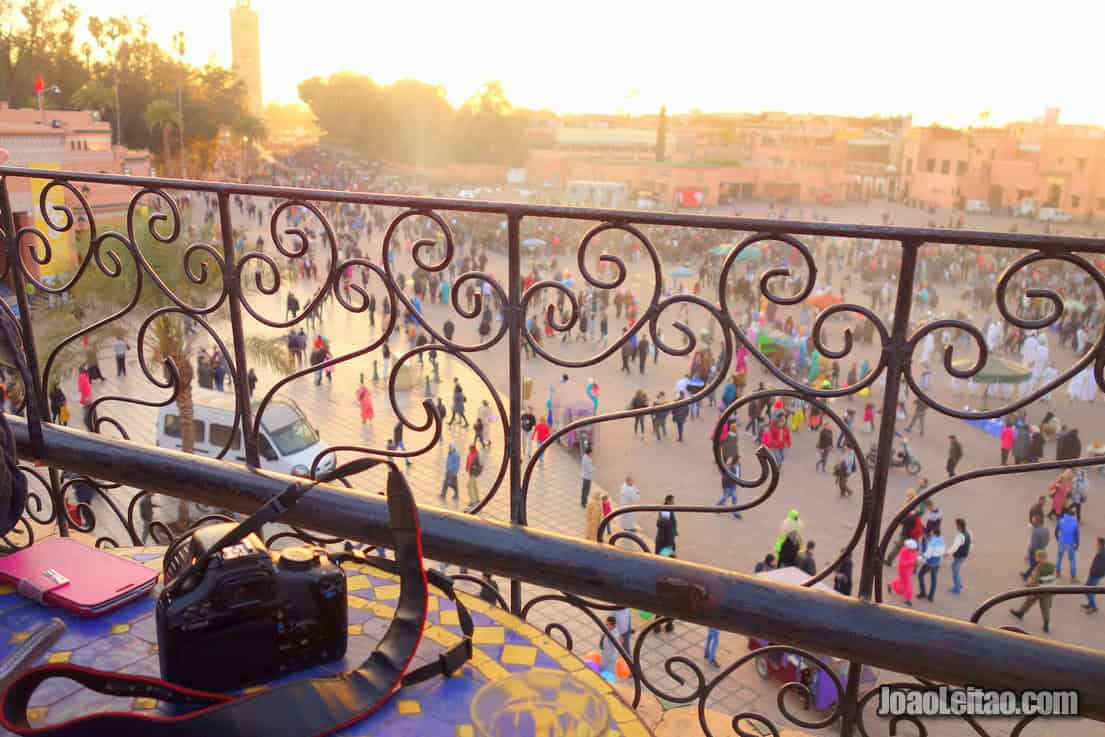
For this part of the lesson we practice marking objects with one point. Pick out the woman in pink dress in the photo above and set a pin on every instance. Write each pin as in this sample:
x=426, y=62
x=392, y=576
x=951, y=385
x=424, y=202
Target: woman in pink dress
x=364, y=398
x=84, y=386
x=907, y=560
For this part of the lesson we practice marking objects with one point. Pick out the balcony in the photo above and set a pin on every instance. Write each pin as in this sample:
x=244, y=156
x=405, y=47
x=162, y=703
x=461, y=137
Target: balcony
x=207, y=265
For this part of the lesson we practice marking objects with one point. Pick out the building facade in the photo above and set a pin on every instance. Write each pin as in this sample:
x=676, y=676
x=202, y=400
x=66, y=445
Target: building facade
x=245, y=47
x=1017, y=169
x=70, y=140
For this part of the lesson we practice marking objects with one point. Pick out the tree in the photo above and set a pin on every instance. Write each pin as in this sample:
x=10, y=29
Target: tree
x=162, y=115
x=167, y=337
x=94, y=95
x=486, y=129
x=662, y=134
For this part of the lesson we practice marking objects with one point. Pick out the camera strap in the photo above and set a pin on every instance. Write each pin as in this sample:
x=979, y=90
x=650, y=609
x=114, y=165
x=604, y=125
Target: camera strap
x=306, y=708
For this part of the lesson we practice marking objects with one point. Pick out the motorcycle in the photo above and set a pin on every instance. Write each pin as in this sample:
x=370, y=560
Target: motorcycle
x=900, y=457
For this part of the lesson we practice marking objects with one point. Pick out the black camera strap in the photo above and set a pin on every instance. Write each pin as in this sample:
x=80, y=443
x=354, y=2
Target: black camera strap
x=307, y=708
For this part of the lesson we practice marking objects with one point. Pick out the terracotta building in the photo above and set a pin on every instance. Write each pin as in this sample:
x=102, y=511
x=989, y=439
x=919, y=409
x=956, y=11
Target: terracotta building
x=74, y=140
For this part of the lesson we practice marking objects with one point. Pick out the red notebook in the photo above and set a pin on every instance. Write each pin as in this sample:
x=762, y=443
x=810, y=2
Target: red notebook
x=84, y=580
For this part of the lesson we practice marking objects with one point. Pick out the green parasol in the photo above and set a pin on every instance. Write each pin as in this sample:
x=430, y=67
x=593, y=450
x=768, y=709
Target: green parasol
x=998, y=370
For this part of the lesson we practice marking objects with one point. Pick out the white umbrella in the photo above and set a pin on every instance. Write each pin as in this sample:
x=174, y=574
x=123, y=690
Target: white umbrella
x=533, y=243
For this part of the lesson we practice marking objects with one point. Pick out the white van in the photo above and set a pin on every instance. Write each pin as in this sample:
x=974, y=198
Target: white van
x=288, y=443
x=977, y=206
x=1053, y=215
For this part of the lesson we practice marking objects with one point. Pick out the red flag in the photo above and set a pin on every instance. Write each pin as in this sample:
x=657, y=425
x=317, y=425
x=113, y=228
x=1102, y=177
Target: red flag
x=39, y=85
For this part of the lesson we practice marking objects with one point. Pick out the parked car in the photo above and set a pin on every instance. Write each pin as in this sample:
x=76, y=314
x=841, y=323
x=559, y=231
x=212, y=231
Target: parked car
x=1053, y=215
x=977, y=206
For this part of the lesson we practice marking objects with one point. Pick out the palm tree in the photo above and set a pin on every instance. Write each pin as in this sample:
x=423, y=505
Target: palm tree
x=166, y=339
x=161, y=114
x=94, y=95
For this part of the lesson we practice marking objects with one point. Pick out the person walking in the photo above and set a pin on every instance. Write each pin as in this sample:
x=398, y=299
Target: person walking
x=824, y=445
x=666, y=528
x=627, y=355
x=364, y=399
x=627, y=497
x=57, y=401
x=1060, y=491
x=624, y=627
x=791, y=523
x=452, y=468
x=679, y=417
x=1008, y=436
x=932, y=556
x=1097, y=572
x=907, y=562
x=541, y=432
x=958, y=552
x=842, y=580
x=527, y=422
x=487, y=416
x=473, y=464
x=478, y=429
x=660, y=417
x=592, y=518
x=639, y=401
x=1037, y=541
x=1066, y=535
x=586, y=473
x=120, y=346
x=841, y=474
x=608, y=651
x=458, y=404
x=955, y=454
x=710, y=653
x=849, y=422
x=642, y=353
x=805, y=559
x=729, y=487
x=397, y=440
x=1043, y=574
x=919, y=408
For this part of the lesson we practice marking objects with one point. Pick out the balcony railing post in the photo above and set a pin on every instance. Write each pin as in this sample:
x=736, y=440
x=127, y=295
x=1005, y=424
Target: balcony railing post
x=234, y=303
x=516, y=325
x=896, y=358
x=35, y=394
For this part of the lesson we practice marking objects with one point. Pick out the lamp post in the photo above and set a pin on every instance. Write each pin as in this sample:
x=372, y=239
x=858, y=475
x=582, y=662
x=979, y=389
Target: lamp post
x=179, y=45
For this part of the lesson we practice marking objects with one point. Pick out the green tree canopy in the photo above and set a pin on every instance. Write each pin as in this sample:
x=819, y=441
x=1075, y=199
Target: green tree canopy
x=412, y=122
x=121, y=68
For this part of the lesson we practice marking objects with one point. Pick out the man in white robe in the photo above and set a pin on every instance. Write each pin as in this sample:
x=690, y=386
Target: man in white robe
x=993, y=335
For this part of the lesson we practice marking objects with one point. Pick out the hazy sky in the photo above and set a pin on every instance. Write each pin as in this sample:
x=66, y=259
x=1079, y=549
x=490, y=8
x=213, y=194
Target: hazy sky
x=942, y=60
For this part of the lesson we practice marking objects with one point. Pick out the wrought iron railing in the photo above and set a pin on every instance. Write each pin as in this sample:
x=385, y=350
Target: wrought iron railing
x=861, y=630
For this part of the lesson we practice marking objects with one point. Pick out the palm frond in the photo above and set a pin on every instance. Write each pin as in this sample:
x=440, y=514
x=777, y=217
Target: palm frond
x=272, y=353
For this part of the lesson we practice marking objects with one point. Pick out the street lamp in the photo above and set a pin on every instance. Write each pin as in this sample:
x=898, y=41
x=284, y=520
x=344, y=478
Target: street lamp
x=179, y=45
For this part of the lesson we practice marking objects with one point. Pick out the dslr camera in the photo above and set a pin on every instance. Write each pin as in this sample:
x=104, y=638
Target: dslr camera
x=246, y=614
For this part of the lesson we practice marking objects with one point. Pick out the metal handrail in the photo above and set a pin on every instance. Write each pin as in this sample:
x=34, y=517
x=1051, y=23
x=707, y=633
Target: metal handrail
x=893, y=638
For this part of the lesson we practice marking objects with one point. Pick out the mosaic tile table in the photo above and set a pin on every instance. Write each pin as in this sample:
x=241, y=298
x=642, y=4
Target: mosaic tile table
x=126, y=640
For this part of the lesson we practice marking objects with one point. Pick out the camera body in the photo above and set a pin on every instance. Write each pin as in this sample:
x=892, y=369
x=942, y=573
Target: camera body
x=252, y=615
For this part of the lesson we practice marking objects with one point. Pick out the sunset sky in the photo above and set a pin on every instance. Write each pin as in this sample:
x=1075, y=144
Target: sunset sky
x=943, y=61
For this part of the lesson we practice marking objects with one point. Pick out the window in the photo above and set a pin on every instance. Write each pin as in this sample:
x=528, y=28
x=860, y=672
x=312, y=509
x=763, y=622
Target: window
x=221, y=433
x=930, y=165
x=961, y=168
x=945, y=166
x=172, y=428
x=909, y=166
x=1075, y=200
